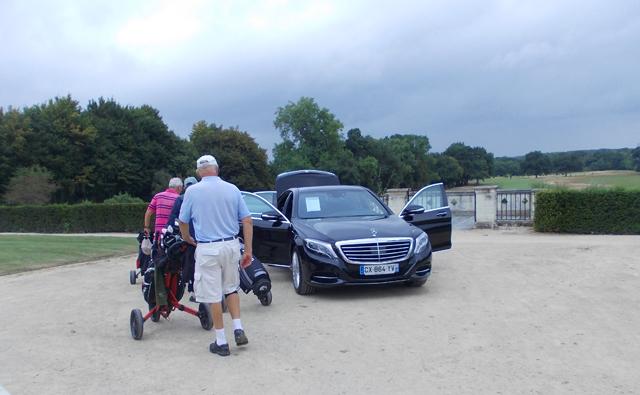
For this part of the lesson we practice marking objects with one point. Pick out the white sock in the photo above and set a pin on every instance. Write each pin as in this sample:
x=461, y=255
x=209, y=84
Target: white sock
x=237, y=324
x=220, y=337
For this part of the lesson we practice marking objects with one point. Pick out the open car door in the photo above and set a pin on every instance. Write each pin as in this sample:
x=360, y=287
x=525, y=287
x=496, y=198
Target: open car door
x=429, y=210
x=271, y=240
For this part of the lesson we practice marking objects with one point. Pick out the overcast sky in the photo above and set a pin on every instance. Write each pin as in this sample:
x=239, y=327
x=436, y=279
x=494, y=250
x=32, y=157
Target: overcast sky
x=511, y=76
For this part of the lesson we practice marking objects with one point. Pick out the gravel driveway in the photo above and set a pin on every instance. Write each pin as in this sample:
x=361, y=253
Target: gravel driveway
x=504, y=312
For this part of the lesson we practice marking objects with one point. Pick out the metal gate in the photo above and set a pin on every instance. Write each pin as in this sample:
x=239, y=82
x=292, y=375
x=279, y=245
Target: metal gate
x=514, y=205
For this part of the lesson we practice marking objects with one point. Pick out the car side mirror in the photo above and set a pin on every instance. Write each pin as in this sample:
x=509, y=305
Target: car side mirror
x=271, y=216
x=412, y=209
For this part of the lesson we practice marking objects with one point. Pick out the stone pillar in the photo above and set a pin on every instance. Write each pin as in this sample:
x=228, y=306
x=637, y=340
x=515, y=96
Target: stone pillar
x=533, y=203
x=486, y=206
x=397, y=198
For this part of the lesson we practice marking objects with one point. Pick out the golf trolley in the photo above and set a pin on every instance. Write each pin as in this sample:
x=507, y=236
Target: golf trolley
x=163, y=288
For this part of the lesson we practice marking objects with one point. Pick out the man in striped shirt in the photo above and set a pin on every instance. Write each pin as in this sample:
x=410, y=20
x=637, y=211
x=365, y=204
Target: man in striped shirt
x=161, y=206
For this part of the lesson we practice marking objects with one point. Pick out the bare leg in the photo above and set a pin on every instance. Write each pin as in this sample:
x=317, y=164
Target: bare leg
x=233, y=303
x=216, y=312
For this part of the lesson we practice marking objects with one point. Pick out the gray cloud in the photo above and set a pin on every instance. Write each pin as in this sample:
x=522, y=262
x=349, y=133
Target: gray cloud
x=512, y=76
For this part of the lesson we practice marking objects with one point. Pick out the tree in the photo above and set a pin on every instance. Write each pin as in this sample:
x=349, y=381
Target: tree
x=310, y=134
x=132, y=145
x=506, y=167
x=241, y=160
x=565, y=163
x=448, y=169
x=635, y=154
x=481, y=165
x=476, y=162
x=404, y=162
x=30, y=185
x=62, y=140
x=536, y=163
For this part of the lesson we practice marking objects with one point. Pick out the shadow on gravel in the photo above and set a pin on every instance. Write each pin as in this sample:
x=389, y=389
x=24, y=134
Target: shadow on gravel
x=349, y=292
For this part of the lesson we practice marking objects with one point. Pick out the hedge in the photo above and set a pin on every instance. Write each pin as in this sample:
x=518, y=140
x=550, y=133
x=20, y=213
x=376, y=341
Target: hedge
x=599, y=211
x=74, y=218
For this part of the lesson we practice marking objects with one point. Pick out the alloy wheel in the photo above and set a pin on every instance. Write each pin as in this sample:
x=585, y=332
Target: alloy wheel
x=295, y=270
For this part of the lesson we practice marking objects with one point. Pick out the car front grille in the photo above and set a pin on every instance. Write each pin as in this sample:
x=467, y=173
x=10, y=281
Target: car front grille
x=378, y=250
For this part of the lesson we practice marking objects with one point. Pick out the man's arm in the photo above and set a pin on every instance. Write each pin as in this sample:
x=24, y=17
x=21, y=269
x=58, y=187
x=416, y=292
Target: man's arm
x=147, y=220
x=247, y=234
x=184, y=231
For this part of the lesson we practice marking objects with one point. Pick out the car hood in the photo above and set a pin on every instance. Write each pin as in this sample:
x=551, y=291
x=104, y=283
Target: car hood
x=337, y=229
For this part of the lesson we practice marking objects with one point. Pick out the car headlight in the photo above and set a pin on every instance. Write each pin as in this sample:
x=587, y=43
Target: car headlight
x=421, y=243
x=320, y=248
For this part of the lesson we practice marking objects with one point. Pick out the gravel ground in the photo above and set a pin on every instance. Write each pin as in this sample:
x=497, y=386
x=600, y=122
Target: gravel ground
x=505, y=311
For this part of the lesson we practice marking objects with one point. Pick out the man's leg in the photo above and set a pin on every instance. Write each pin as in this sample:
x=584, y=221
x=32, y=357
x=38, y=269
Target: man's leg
x=216, y=312
x=230, y=285
x=208, y=288
x=233, y=303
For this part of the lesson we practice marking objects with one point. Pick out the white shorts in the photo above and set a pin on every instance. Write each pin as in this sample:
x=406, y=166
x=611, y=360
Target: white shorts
x=216, y=270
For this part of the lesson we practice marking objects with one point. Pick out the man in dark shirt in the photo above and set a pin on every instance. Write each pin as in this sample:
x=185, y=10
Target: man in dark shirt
x=189, y=257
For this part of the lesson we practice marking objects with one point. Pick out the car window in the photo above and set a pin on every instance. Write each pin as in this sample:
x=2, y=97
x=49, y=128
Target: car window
x=431, y=197
x=338, y=203
x=269, y=196
x=256, y=205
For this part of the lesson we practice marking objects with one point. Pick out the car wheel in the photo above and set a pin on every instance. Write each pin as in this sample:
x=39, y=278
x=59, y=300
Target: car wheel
x=297, y=271
x=132, y=276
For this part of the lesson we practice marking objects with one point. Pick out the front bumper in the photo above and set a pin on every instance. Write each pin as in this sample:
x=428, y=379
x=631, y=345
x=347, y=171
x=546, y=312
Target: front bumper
x=326, y=273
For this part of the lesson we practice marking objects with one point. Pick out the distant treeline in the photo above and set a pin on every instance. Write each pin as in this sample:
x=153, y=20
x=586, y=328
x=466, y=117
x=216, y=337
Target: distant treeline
x=538, y=163
x=60, y=152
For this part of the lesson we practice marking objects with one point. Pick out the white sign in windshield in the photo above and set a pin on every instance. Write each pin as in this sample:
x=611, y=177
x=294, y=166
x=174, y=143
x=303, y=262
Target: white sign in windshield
x=313, y=203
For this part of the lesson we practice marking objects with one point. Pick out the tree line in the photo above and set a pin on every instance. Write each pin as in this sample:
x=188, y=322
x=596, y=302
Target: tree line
x=537, y=163
x=61, y=152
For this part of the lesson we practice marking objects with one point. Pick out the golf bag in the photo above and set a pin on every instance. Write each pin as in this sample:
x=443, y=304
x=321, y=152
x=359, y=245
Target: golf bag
x=255, y=278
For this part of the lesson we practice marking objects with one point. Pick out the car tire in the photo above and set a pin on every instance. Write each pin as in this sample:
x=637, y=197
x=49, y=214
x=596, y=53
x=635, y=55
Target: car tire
x=132, y=276
x=297, y=276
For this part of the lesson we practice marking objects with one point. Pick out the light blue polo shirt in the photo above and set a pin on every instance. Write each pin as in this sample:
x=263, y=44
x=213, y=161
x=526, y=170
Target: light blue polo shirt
x=215, y=206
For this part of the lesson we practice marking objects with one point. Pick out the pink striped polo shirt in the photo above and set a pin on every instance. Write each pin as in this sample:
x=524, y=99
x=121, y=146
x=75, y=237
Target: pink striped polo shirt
x=161, y=205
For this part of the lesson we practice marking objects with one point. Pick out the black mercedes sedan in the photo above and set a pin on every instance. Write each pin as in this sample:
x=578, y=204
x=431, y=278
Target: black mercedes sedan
x=335, y=235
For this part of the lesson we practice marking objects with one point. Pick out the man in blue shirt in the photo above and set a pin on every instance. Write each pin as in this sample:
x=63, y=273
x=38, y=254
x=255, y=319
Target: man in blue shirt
x=216, y=207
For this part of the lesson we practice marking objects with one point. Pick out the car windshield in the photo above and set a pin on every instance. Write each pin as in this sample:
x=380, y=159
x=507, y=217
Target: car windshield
x=338, y=203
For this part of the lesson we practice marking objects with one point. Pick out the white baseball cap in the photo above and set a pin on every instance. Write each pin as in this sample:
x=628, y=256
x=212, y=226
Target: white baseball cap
x=206, y=160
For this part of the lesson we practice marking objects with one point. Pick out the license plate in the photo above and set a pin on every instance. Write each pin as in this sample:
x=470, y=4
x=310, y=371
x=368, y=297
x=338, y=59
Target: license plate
x=375, y=270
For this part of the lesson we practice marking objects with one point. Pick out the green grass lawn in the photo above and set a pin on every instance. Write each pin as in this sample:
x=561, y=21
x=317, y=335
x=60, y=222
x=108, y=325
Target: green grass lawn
x=29, y=252
x=603, y=179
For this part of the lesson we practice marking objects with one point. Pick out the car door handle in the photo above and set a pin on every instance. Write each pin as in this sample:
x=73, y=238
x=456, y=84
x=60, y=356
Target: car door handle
x=442, y=214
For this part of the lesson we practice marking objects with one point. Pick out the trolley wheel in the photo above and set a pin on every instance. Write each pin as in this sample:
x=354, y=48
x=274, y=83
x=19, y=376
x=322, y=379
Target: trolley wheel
x=137, y=324
x=155, y=317
x=204, y=313
x=266, y=299
x=132, y=277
